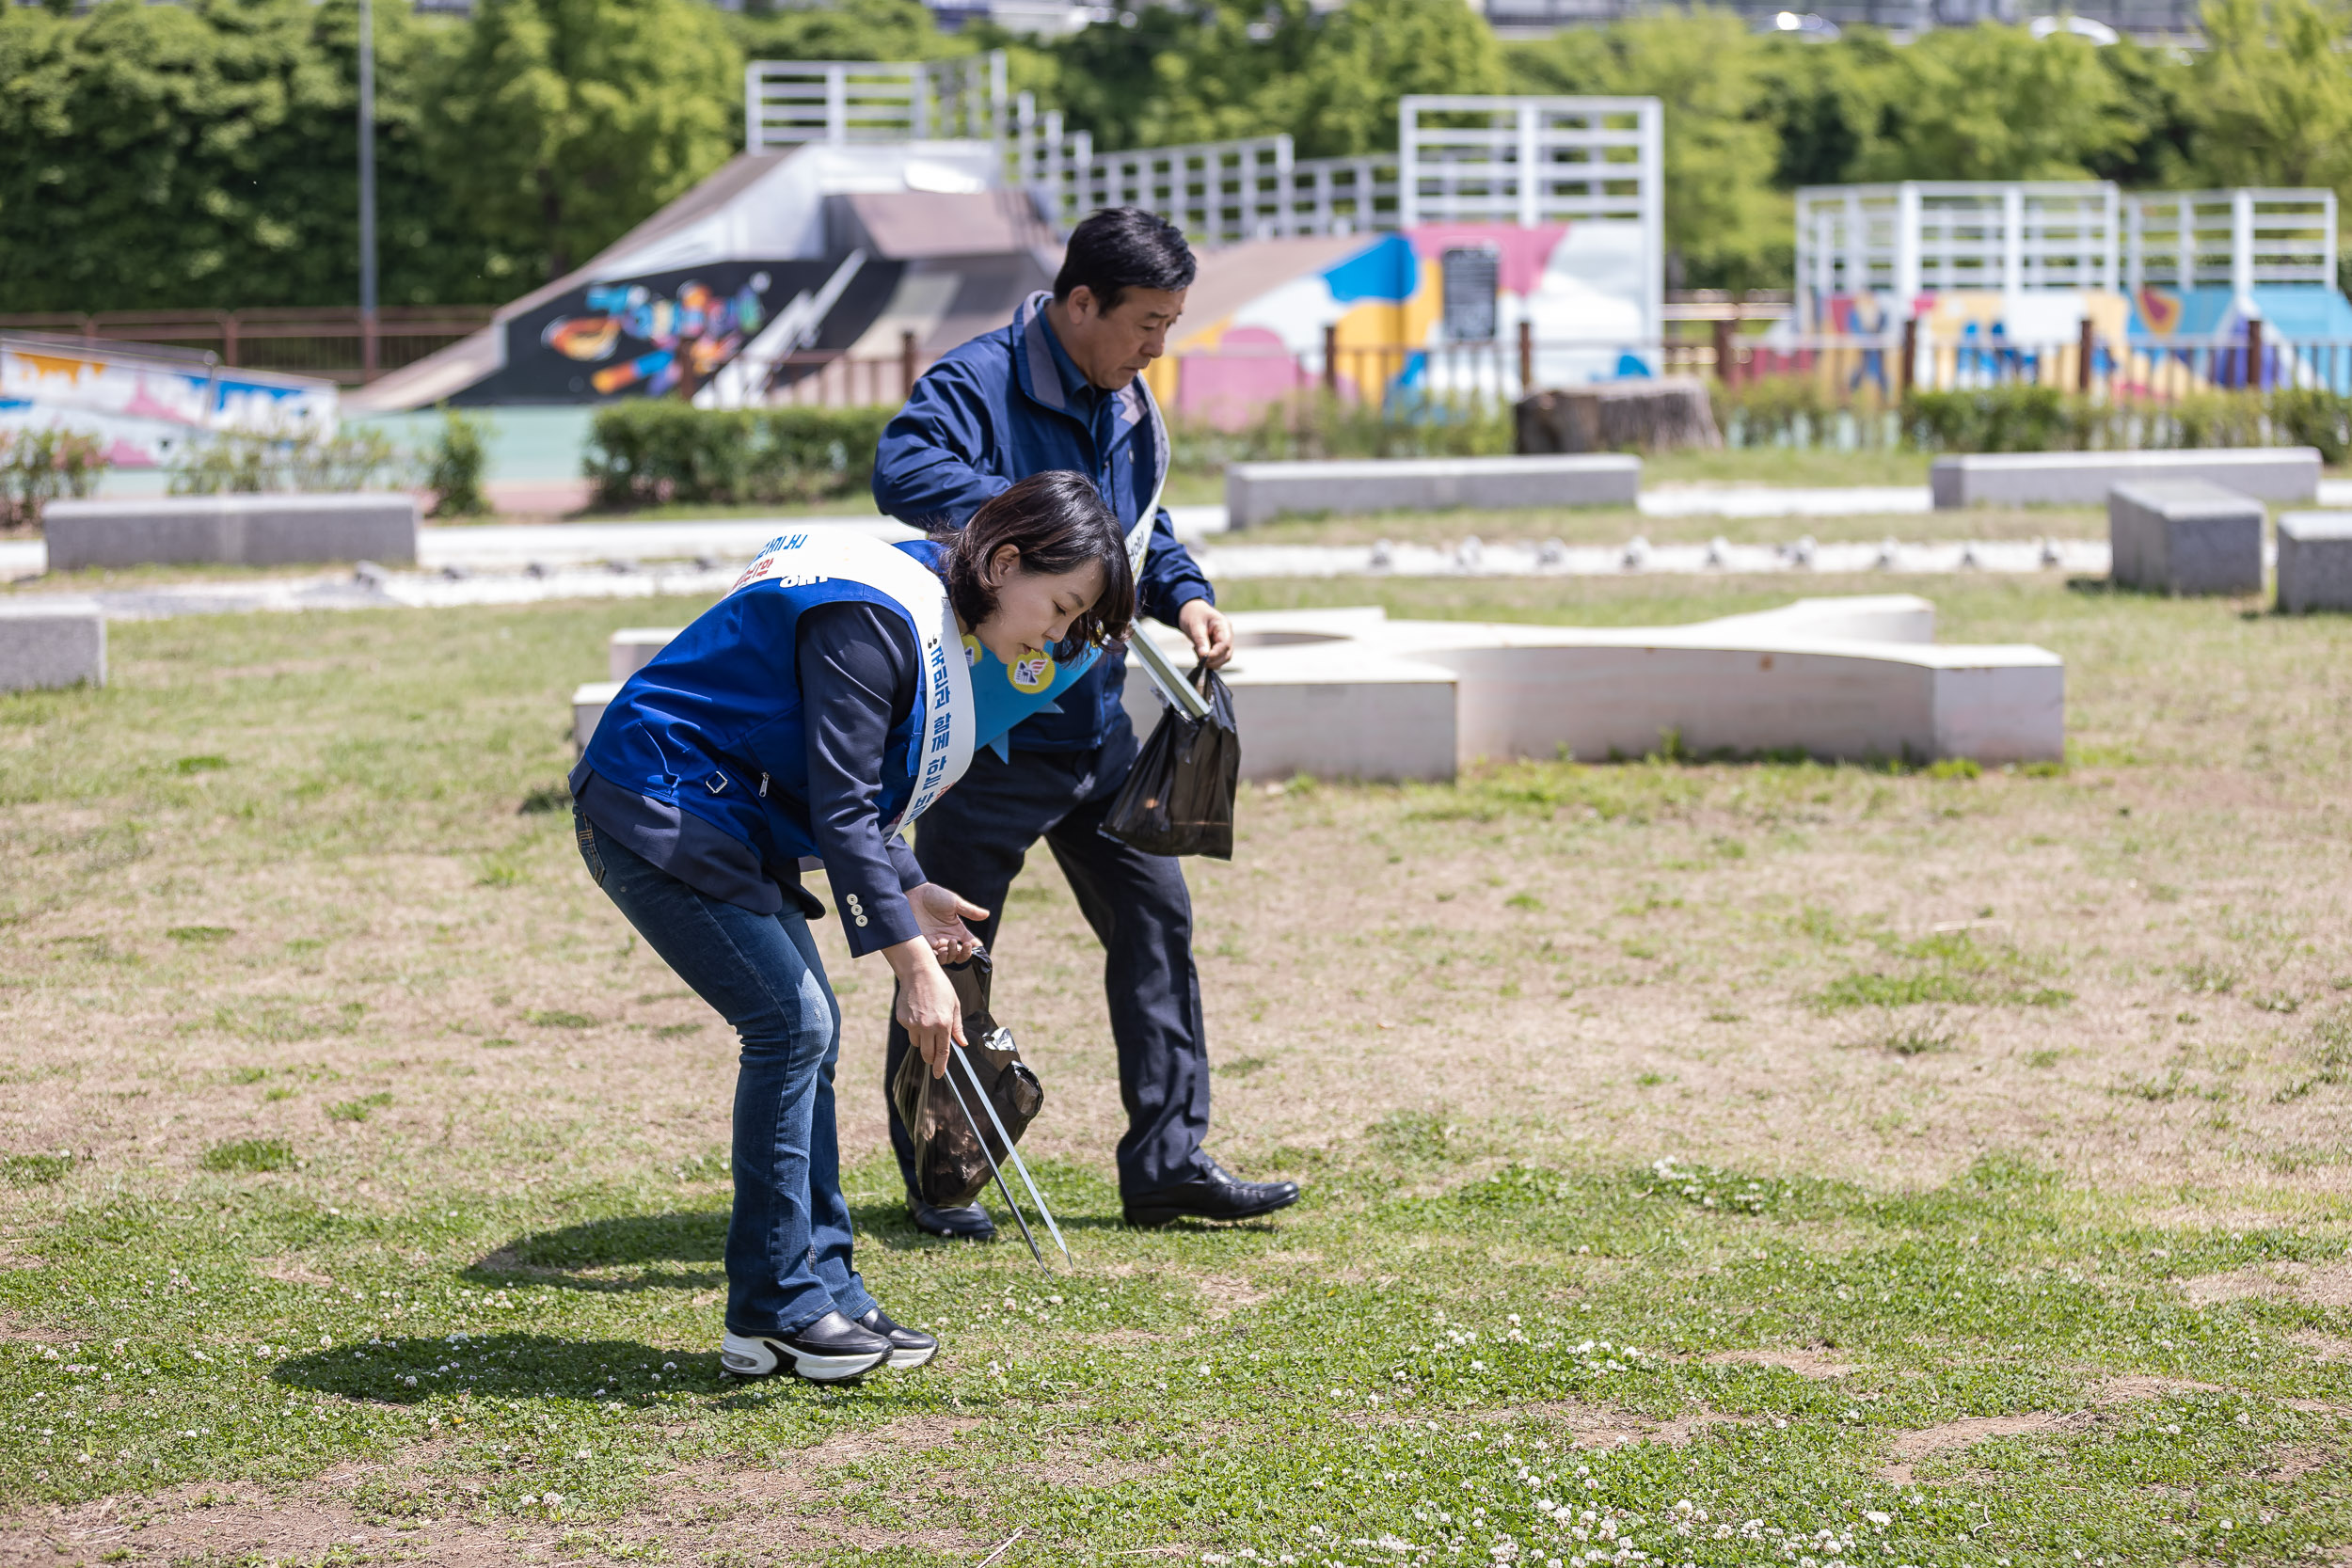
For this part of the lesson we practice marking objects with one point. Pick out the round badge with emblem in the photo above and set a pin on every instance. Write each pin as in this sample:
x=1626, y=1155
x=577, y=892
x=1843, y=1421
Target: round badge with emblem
x=1031, y=674
x=971, y=650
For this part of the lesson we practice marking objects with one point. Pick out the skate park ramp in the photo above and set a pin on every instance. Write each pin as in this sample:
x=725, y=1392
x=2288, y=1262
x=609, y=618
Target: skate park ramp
x=818, y=250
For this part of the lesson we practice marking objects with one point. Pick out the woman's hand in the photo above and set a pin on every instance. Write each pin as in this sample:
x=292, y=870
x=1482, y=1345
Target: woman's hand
x=927, y=1005
x=940, y=915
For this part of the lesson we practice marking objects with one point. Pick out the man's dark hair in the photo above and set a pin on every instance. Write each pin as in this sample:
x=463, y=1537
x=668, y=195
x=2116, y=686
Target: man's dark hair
x=1058, y=522
x=1119, y=248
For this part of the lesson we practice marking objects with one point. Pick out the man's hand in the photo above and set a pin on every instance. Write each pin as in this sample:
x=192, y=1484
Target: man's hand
x=940, y=915
x=1211, y=634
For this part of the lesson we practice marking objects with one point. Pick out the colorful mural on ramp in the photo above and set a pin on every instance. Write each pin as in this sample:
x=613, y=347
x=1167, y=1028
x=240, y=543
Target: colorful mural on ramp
x=1268, y=309
x=145, y=407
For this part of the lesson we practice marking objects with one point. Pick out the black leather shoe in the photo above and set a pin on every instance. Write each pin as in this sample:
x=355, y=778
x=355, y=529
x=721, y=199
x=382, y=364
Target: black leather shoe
x=909, y=1348
x=830, y=1350
x=968, y=1224
x=1212, y=1195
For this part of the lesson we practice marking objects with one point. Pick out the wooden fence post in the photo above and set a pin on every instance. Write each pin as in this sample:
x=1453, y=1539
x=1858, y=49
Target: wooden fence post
x=906, y=363
x=1527, y=357
x=2084, y=350
x=1904, y=366
x=2253, y=379
x=1726, y=362
x=1331, y=359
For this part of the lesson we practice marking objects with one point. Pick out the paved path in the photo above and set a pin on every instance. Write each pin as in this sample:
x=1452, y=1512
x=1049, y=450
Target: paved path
x=525, y=563
x=376, y=589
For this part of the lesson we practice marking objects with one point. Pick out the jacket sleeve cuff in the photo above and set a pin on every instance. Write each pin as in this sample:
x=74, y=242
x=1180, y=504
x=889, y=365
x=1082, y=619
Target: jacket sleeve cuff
x=873, y=923
x=902, y=859
x=1168, y=602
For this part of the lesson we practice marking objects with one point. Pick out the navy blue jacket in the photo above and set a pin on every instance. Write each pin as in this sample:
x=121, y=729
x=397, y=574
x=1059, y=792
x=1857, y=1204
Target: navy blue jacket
x=1010, y=404
x=714, y=727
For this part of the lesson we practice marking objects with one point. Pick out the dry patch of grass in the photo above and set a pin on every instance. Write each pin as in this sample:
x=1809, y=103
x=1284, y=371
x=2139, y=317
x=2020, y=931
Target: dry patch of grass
x=1805, y=1363
x=2316, y=1286
x=1909, y=1448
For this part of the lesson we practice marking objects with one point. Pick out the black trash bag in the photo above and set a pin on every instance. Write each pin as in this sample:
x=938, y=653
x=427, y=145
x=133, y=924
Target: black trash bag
x=1179, y=799
x=949, y=1169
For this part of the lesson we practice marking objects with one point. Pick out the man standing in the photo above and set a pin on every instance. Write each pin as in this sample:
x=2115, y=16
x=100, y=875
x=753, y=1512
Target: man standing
x=1061, y=388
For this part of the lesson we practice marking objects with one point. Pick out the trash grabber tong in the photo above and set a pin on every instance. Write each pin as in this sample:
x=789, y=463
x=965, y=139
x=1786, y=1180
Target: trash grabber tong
x=992, y=1162
x=1010, y=1152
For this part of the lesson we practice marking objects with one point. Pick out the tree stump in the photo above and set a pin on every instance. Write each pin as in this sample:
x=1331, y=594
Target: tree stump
x=1641, y=414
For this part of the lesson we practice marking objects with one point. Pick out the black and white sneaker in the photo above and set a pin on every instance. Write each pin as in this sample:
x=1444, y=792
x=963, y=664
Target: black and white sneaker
x=830, y=1350
x=910, y=1348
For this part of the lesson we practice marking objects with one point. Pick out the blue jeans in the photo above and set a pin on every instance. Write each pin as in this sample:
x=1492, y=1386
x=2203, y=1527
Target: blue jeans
x=789, y=1240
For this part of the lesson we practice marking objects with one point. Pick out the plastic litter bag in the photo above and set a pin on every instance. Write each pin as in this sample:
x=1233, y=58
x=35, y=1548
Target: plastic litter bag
x=1179, y=799
x=949, y=1168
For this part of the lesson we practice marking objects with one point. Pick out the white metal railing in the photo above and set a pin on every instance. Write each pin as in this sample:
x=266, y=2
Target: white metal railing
x=1902, y=240
x=787, y=103
x=1217, y=192
x=1530, y=161
x=2239, y=237
x=2007, y=237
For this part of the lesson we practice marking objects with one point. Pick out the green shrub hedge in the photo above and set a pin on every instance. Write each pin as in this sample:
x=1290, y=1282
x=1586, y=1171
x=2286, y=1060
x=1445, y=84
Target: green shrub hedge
x=1797, y=410
x=646, y=452
x=2044, y=418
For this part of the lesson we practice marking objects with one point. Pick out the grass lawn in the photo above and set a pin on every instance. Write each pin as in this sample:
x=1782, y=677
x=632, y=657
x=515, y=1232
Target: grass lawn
x=1712, y=1164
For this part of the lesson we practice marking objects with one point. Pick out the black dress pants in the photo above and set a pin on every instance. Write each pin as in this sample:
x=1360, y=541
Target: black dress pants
x=974, y=840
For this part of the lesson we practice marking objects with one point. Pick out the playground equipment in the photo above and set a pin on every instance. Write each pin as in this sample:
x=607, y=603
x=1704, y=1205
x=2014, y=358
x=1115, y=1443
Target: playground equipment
x=884, y=212
x=2162, y=288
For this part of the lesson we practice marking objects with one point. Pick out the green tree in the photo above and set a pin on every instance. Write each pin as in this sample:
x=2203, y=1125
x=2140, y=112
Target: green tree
x=2156, y=86
x=2272, y=94
x=1826, y=102
x=1370, y=52
x=563, y=122
x=851, y=30
x=205, y=156
x=1725, y=226
x=1994, y=102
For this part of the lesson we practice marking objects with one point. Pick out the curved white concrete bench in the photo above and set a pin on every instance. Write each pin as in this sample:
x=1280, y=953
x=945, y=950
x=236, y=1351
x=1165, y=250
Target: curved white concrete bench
x=1350, y=693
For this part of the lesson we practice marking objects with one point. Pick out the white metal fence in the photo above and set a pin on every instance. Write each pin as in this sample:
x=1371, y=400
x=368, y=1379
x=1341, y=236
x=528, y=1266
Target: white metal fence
x=1901, y=240
x=787, y=103
x=2238, y=238
x=1947, y=235
x=1217, y=192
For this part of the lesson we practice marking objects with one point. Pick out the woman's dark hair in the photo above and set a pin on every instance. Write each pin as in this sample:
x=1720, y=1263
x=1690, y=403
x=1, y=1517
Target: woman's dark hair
x=1119, y=249
x=1058, y=522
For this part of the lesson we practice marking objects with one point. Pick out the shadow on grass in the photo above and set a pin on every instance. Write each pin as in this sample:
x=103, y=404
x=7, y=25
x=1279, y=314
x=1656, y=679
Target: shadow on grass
x=494, y=1366
x=645, y=1241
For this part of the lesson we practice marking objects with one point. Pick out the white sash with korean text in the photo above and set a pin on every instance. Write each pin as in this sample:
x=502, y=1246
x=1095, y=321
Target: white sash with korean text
x=943, y=745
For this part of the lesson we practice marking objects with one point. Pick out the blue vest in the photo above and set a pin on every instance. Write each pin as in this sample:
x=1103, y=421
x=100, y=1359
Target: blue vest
x=712, y=723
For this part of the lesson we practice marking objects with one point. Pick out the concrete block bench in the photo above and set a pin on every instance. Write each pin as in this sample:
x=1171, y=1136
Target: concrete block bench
x=1259, y=492
x=2185, y=536
x=2084, y=477
x=51, y=640
x=2315, y=562
x=240, y=530
x=632, y=648
x=589, y=700
x=1351, y=693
